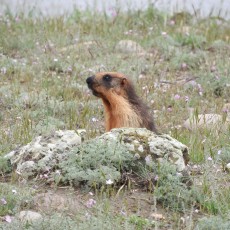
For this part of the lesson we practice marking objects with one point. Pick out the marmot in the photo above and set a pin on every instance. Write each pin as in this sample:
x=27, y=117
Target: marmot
x=123, y=108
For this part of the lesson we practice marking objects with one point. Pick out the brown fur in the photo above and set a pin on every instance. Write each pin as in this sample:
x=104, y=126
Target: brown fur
x=123, y=108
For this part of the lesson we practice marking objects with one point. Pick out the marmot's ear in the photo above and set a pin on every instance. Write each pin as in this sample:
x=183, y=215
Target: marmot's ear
x=124, y=81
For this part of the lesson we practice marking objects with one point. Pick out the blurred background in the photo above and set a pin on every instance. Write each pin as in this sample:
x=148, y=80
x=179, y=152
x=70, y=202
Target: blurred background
x=202, y=8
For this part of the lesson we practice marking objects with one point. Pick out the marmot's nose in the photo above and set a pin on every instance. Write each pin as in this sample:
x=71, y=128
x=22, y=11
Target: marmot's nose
x=89, y=80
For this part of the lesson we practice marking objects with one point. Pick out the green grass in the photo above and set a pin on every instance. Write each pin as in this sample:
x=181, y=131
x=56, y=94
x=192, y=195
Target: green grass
x=44, y=64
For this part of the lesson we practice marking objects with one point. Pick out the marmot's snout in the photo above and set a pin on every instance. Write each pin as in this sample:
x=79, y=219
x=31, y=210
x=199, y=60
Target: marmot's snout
x=91, y=85
x=90, y=81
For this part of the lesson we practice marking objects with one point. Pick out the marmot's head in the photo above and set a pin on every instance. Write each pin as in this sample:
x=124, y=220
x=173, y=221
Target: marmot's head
x=104, y=82
x=122, y=105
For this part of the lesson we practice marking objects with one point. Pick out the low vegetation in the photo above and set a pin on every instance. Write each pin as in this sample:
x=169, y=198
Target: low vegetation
x=183, y=72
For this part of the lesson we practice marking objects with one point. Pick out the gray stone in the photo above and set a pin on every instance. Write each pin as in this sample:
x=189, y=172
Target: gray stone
x=129, y=46
x=58, y=201
x=29, y=216
x=208, y=121
x=79, y=46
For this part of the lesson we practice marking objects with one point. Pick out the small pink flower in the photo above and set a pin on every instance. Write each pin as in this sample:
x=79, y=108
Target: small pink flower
x=209, y=158
x=186, y=98
x=177, y=97
x=90, y=203
x=69, y=69
x=184, y=66
x=148, y=160
x=172, y=23
x=3, y=201
x=8, y=219
x=169, y=109
x=3, y=70
x=156, y=178
x=193, y=83
x=17, y=19
x=113, y=12
x=45, y=175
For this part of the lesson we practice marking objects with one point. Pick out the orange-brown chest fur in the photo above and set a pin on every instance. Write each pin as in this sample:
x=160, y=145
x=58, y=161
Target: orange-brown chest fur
x=119, y=112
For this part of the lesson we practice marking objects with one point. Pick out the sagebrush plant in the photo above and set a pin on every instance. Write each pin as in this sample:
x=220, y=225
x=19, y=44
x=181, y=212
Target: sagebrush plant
x=5, y=166
x=96, y=162
x=141, y=223
x=224, y=155
x=171, y=191
x=14, y=199
x=43, y=66
x=213, y=223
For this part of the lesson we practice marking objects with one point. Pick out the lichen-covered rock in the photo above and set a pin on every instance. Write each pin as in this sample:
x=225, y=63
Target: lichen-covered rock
x=62, y=158
x=145, y=143
x=43, y=153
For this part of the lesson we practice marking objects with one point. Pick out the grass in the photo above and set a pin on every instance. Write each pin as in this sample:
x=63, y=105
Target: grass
x=44, y=64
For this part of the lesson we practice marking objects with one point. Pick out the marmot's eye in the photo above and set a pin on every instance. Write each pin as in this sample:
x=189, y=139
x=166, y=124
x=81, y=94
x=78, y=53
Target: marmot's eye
x=107, y=77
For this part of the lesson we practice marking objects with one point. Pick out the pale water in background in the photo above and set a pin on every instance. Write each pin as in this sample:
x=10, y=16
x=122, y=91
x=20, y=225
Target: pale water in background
x=52, y=8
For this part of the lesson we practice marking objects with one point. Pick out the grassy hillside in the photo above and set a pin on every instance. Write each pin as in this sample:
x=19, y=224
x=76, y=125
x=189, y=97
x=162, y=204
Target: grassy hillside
x=181, y=71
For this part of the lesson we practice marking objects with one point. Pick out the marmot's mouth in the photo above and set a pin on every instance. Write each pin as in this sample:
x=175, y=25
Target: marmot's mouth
x=95, y=93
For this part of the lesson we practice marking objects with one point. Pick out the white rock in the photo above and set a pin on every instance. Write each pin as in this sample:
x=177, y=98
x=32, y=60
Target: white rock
x=228, y=167
x=140, y=148
x=43, y=153
x=209, y=121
